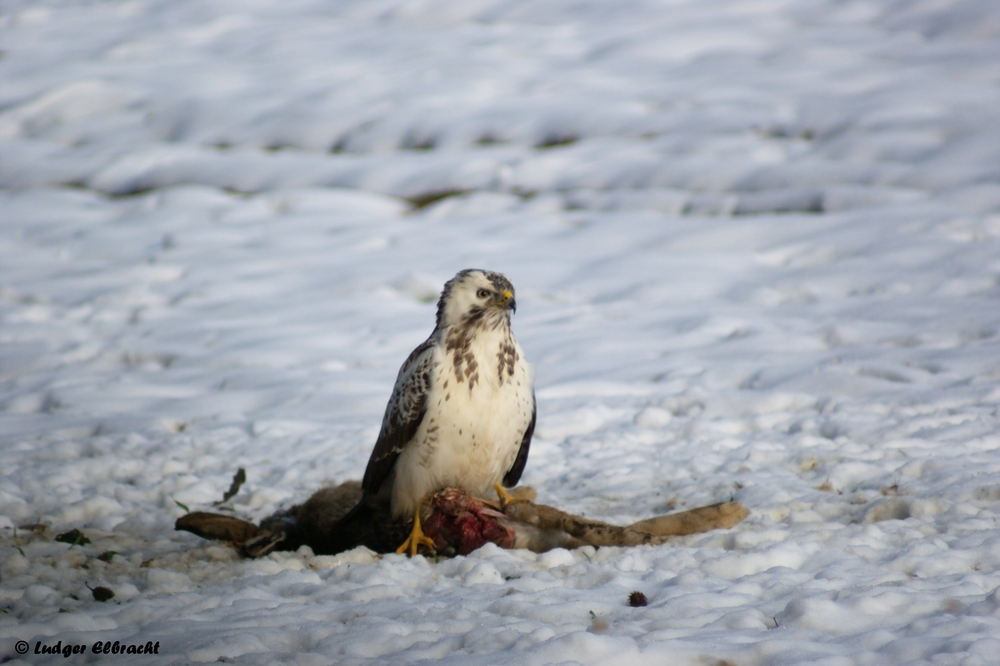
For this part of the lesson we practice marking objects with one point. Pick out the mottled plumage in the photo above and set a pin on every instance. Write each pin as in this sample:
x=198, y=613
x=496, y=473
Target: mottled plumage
x=463, y=409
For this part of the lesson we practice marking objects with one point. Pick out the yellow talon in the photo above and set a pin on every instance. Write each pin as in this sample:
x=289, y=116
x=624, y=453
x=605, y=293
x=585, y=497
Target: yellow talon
x=417, y=537
x=505, y=497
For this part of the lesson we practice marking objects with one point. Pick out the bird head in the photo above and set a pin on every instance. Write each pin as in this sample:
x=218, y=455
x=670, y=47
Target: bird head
x=475, y=293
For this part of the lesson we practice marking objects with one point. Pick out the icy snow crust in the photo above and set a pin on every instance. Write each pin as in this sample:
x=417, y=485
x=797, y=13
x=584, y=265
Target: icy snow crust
x=757, y=253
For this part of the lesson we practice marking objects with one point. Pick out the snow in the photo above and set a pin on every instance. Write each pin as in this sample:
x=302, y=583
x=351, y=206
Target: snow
x=757, y=251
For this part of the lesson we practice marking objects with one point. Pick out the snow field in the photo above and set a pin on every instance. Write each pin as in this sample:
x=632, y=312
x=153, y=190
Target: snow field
x=756, y=251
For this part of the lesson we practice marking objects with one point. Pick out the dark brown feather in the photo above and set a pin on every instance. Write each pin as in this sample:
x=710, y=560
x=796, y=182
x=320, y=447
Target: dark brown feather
x=402, y=417
x=514, y=473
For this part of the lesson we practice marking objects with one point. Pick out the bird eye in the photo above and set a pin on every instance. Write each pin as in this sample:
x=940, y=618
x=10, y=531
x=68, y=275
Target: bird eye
x=483, y=293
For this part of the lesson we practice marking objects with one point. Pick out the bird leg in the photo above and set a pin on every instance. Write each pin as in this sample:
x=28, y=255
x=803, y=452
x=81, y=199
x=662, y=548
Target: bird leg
x=505, y=497
x=417, y=537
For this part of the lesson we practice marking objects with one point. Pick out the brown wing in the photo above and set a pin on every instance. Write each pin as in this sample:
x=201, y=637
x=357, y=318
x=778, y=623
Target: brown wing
x=514, y=473
x=403, y=415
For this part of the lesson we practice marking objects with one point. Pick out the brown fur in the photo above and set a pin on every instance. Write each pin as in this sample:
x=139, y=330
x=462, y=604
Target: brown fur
x=339, y=518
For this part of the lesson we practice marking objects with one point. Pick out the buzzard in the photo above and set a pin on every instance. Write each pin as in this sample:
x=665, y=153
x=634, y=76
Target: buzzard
x=462, y=411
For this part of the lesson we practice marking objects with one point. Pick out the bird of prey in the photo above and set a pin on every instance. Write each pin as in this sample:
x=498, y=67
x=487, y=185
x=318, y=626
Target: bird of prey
x=462, y=411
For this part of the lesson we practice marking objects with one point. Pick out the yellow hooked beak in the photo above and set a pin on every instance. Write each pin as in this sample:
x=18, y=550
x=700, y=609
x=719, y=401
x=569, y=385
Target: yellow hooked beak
x=506, y=299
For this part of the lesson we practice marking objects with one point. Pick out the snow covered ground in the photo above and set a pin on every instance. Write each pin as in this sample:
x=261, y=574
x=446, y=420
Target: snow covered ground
x=757, y=251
